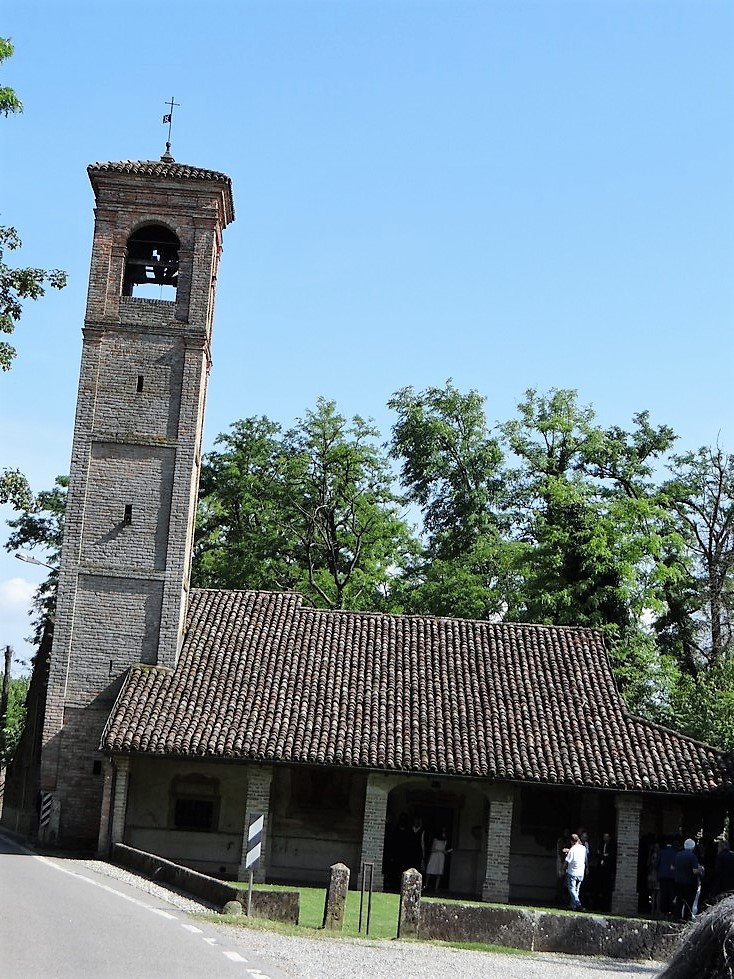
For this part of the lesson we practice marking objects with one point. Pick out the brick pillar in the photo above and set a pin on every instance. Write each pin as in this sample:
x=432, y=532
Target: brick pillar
x=375, y=820
x=624, y=898
x=259, y=780
x=105, y=819
x=496, y=885
x=119, y=802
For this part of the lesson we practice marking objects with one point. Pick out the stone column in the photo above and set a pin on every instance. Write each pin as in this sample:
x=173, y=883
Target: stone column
x=624, y=897
x=410, y=904
x=105, y=818
x=259, y=780
x=119, y=802
x=496, y=887
x=375, y=820
x=335, y=906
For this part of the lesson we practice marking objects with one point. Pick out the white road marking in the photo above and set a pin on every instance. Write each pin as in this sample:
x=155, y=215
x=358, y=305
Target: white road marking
x=192, y=928
x=235, y=956
x=210, y=941
x=163, y=914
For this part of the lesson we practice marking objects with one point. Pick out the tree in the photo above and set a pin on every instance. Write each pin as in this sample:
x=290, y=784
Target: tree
x=9, y=101
x=311, y=509
x=585, y=507
x=12, y=728
x=700, y=496
x=451, y=468
x=17, y=284
x=40, y=524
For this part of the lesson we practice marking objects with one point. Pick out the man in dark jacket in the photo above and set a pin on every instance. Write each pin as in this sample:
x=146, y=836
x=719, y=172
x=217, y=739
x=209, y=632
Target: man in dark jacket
x=687, y=874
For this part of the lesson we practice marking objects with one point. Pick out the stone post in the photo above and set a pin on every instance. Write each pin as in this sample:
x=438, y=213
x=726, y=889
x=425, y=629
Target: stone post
x=624, y=898
x=409, y=918
x=119, y=804
x=335, y=905
x=259, y=780
x=375, y=819
x=496, y=887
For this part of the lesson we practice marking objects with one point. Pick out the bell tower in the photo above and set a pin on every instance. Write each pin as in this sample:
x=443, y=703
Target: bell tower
x=125, y=563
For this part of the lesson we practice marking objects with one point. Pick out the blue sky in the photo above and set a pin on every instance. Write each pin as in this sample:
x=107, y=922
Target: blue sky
x=521, y=194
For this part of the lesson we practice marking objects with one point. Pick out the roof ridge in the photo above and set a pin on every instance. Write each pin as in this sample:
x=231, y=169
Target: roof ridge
x=413, y=616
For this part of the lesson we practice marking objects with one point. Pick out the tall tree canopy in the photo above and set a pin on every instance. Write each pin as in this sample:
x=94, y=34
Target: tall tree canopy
x=312, y=509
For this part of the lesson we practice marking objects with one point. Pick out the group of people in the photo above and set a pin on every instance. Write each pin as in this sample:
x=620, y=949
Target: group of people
x=679, y=877
x=411, y=845
x=585, y=875
x=684, y=876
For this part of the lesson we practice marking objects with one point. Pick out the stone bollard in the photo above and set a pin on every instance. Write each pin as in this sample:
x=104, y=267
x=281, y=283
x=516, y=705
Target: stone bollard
x=336, y=898
x=410, y=904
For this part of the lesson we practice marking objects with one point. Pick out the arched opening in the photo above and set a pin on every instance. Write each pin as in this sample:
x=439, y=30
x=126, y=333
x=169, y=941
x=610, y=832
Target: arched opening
x=151, y=265
x=418, y=813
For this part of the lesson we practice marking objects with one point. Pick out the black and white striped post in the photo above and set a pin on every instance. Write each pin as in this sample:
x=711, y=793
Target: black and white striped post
x=255, y=824
x=47, y=799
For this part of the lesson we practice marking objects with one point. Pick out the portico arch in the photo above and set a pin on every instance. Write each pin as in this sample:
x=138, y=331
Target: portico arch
x=454, y=804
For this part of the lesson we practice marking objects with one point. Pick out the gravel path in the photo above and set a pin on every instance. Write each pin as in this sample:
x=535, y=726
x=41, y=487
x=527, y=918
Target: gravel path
x=323, y=957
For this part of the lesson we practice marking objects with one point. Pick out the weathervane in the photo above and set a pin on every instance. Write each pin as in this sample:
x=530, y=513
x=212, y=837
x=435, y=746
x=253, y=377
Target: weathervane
x=168, y=118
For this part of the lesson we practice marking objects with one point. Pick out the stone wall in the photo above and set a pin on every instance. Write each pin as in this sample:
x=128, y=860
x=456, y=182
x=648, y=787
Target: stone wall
x=543, y=931
x=275, y=905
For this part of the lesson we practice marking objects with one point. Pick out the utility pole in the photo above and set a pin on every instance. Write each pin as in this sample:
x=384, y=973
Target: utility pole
x=4, y=696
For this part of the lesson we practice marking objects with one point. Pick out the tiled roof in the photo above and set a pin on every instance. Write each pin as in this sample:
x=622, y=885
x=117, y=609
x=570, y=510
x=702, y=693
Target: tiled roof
x=261, y=677
x=158, y=168
x=162, y=170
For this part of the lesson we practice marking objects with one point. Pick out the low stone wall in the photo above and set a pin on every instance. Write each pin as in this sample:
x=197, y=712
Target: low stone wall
x=544, y=931
x=275, y=905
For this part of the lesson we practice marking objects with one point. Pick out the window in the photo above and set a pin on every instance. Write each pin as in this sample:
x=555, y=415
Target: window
x=151, y=265
x=197, y=814
x=194, y=803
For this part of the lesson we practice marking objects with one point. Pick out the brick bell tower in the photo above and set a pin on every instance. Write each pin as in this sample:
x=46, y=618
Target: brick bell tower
x=125, y=563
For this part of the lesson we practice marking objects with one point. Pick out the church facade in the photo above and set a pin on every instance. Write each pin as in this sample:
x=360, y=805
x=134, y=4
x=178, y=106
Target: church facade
x=171, y=714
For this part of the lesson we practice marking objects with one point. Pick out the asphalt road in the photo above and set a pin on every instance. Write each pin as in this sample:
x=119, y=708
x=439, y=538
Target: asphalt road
x=59, y=921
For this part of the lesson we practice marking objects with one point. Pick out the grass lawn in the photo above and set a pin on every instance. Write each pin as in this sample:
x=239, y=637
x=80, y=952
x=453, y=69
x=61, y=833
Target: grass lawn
x=383, y=919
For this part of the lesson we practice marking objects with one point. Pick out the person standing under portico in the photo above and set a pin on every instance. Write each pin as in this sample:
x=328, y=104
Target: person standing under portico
x=575, y=870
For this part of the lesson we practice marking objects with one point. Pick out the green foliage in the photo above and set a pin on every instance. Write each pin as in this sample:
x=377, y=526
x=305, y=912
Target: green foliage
x=700, y=502
x=40, y=525
x=13, y=728
x=451, y=469
x=17, y=284
x=311, y=509
x=10, y=104
x=15, y=489
x=582, y=500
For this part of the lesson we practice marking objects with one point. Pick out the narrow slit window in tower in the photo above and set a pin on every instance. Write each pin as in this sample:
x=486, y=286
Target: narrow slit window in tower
x=128, y=517
x=151, y=265
x=140, y=383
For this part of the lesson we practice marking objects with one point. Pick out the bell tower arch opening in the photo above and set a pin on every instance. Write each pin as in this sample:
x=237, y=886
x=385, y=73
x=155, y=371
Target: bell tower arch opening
x=151, y=263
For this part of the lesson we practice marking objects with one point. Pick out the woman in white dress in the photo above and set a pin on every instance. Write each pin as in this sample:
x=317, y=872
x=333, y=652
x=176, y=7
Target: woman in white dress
x=437, y=860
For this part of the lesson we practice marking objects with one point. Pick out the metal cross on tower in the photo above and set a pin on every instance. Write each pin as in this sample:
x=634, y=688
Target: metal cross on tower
x=168, y=118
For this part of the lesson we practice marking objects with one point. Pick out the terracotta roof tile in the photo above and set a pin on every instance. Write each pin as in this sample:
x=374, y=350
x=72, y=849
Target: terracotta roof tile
x=158, y=168
x=262, y=677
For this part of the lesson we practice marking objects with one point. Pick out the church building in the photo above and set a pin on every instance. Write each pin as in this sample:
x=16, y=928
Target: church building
x=172, y=713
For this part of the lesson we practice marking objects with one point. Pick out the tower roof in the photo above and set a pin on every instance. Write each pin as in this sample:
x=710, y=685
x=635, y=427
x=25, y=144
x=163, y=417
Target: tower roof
x=165, y=170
